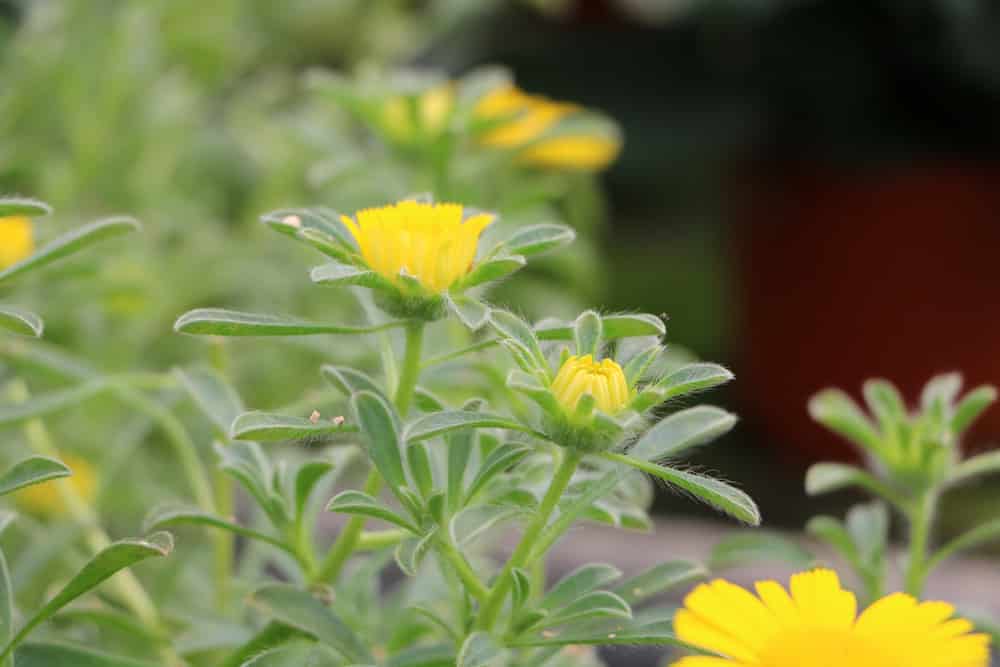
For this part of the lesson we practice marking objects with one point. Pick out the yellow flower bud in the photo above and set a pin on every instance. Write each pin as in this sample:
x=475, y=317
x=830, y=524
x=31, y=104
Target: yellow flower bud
x=433, y=108
x=521, y=121
x=16, y=240
x=45, y=499
x=604, y=380
x=430, y=242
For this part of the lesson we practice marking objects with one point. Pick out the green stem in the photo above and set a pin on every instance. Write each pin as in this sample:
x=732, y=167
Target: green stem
x=381, y=539
x=179, y=439
x=222, y=540
x=560, y=481
x=463, y=570
x=411, y=366
x=921, y=518
x=347, y=541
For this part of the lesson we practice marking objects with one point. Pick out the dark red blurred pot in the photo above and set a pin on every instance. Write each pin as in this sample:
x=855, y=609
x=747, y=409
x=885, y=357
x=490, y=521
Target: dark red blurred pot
x=889, y=271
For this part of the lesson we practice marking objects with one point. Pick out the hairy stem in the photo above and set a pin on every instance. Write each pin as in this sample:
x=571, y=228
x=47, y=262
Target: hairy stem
x=560, y=481
x=921, y=518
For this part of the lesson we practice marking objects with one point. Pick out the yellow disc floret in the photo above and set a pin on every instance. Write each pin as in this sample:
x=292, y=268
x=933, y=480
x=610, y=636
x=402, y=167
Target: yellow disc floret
x=815, y=624
x=604, y=380
x=431, y=242
x=46, y=500
x=16, y=240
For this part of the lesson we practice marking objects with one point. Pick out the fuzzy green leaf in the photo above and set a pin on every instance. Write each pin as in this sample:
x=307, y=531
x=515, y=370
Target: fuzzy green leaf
x=987, y=463
x=307, y=613
x=107, y=562
x=587, y=333
x=537, y=239
x=682, y=431
x=356, y=502
x=971, y=406
x=480, y=650
x=517, y=333
x=307, y=477
x=375, y=418
x=341, y=275
x=71, y=242
x=475, y=520
x=213, y=394
x=827, y=477
x=594, y=605
x=979, y=536
x=500, y=459
x=6, y=605
x=714, y=492
x=295, y=655
x=22, y=206
x=578, y=583
x=29, y=471
x=492, y=269
x=267, y=427
x=440, y=423
x=658, y=579
x=754, y=548
x=411, y=552
x=176, y=516
x=220, y=322
x=839, y=413
x=691, y=378
x=45, y=404
x=51, y=654
x=470, y=311
x=21, y=321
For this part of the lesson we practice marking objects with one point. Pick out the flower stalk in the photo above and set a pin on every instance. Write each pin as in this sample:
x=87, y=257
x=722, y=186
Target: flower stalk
x=568, y=464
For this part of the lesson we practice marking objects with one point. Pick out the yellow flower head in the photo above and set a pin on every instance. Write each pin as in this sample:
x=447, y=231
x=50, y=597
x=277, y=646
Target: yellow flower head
x=45, y=500
x=604, y=380
x=431, y=242
x=433, y=108
x=815, y=624
x=520, y=121
x=16, y=240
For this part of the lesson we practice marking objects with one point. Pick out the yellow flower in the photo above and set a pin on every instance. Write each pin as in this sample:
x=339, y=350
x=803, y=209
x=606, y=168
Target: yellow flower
x=604, y=380
x=521, y=121
x=433, y=108
x=590, y=153
x=815, y=624
x=16, y=240
x=430, y=242
x=45, y=500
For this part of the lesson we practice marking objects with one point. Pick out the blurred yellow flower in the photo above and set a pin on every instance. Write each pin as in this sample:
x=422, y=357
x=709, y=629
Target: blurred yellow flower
x=523, y=122
x=16, y=240
x=45, y=500
x=434, y=243
x=604, y=380
x=428, y=119
x=815, y=624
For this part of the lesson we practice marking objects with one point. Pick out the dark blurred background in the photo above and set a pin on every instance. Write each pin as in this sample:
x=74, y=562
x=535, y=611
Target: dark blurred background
x=809, y=188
